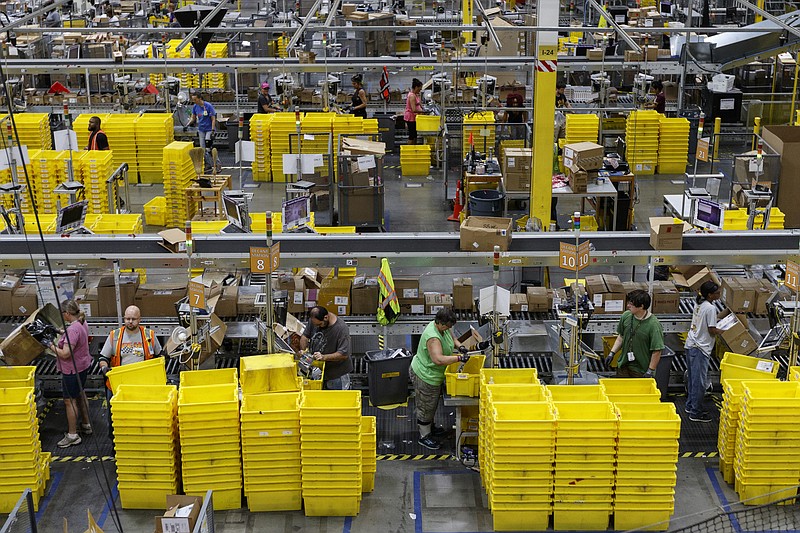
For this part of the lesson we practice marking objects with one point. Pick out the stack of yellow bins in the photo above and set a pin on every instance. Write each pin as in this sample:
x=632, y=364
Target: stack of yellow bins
x=732, y=393
x=178, y=175
x=369, y=450
x=97, y=166
x=260, y=135
x=415, y=160
x=154, y=131
x=582, y=128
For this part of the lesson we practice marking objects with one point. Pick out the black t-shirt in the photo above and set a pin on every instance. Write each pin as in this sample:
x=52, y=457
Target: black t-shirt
x=264, y=101
x=334, y=338
x=102, y=140
x=661, y=102
x=561, y=100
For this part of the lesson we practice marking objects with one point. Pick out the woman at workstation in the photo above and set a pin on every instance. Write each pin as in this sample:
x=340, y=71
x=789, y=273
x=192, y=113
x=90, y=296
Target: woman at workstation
x=413, y=108
x=359, y=105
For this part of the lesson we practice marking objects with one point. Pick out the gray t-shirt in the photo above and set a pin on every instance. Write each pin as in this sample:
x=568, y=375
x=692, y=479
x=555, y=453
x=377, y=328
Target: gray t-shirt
x=704, y=316
x=334, y=338
x=132, y=349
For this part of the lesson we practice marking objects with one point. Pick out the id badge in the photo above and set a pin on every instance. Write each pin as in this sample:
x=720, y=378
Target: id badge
x=631, y=357
x=205, y=112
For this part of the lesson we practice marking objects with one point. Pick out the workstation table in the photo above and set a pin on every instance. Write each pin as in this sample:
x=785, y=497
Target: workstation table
x=460, y=402
x=606, y=189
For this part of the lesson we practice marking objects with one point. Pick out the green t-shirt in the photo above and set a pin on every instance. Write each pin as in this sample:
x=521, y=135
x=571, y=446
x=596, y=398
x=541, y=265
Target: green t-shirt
x=642, y=337
x=423, y=366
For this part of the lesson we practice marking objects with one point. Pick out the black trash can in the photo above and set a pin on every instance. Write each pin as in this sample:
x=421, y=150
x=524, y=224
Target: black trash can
x=386, y=127
x=486, y=203
x=388, y=376
x=663, y=370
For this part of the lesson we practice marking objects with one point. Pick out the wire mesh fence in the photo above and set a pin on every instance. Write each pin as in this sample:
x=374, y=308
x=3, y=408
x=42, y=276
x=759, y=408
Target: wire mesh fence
x=22, y=518
x=205, y=522
x=780, y=516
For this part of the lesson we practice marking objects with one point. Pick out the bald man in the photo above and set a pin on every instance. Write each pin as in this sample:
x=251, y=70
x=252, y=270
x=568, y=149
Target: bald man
x=131, y=343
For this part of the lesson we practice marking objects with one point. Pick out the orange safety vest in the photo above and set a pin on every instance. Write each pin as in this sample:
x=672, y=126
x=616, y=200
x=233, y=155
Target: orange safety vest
x=147, y=335
x=93, y=144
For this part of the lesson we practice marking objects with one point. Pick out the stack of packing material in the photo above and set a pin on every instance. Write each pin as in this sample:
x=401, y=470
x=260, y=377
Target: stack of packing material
x=122, y=140
x=641, y=390
x=520, y=446
x=415, y=160
x=641, y=134
x=673, y=152
x=46, y=175
x=208, y=420
x=282, y=127
x=501, y=376
x=146, y=444
x=647, y=465
x=586, y=438
x=330, y=442
x=767, y=461
x=271, y=451
x=188, y=80
x=216, y=80
x=260, y=136
x=481, y=127
x=80, y=125
x=369, y=451
x=23, y=466
x=582, y=128
x=154, y=131
x=97, y=166
x=34, y=130
x=178, y=175
x=732, y=393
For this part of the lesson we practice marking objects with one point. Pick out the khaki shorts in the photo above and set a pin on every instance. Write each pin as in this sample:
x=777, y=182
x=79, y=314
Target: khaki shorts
x=426, y=398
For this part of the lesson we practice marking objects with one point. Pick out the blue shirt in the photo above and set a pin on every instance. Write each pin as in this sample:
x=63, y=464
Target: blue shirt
x=204, y=114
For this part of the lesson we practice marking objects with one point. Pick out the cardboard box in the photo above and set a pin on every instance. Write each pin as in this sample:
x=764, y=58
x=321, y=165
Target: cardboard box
x=228, y=303
x=666, y=234
x=770, y=169
x=408, y=292
x=763, y=294
x=737, y=295
x=517, y=182
x=518, y=160
x=633, y=55
x=87, y=301
x=363, y=147
x=595, y=54
x=174, y=240
x=295, y=294
x=463, y=297
x=688, y=270
x=349, y=9
x=434, y=302
x=24, y=300
x=311, y=298
x=482, y=234
x=735, y=334
x=20, y=348
x=66, y=283
x=539, y=299
x=607, y=293
x=107, y=294
x=471, y=337
x=179, y=524
x=246, y=300
x=518, y=302
x=158, y=299
x=695, y=281
x=584, y=155
x=8, y=284
x=651, y=52
x=364, y=296
x=334, y=295
x=666, y=299
x=413, y=309
x=578, y=180
x=785, y=140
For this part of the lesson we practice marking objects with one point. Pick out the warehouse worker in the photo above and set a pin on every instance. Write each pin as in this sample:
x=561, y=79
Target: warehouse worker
x=73, y=361
x=660, y=103
x=53, y=18
x=205, y=117
x=359, y=104
x=640, y=339
x=265, y=104
x=561, y=98
x=699, y=345
x=131, y=343
x=413, y=108
x=328, y=338
x=98, y=140
x=434, y=353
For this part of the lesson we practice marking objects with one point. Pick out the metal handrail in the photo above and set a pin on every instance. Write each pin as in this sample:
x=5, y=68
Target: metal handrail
x=120, y=174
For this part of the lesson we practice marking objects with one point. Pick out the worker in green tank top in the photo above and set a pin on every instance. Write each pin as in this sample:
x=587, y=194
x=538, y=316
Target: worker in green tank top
x=434, y=353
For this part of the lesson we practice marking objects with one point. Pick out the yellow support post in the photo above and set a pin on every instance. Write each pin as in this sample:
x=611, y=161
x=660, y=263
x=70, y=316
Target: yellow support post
x=544, y=108
x=466, y=19
x=717, y=130
x=756, y=131
x=760, y=4
x=794, y=87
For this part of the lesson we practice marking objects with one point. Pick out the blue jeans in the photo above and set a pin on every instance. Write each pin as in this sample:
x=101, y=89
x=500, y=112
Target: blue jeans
x=697, y=363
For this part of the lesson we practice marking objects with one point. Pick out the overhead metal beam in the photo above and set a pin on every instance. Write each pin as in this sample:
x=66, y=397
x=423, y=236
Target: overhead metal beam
x=200, y=27
x=38, y=13
x=625, y=37
x=770, y=17
x=299, y=33
x=334, y=7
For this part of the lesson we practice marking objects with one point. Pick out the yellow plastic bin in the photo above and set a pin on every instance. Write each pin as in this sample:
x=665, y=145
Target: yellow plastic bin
x=150, y=372
x=17, y=376
x=465, y=382
x=738, y=366
x=268, y=373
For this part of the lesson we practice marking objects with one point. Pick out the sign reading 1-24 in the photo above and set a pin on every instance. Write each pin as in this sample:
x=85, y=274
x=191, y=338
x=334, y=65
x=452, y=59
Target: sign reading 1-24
x=573, y=258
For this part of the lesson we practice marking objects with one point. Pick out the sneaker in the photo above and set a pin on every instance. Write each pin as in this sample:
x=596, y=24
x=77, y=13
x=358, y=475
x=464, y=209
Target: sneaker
x=439, y=431
x=702, y=417
x=429, y=442
x=86, y=429
x=68, y=441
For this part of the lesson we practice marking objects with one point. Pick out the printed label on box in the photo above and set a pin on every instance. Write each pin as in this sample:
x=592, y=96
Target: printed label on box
x=597, y=299
x=298, y=297
x=340, y=300
x=86, y=309
x=614, y=305
x=524, y=307
x=342, y=310
x=417, y=309
x=410, y=293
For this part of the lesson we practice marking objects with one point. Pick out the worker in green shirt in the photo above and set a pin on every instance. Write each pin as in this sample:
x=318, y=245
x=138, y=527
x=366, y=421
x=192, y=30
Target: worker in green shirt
x=640, y=339
x=434, y=353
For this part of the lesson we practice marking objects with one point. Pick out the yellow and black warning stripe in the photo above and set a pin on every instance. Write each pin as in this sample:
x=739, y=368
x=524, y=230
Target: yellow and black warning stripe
x=391, y=166
x=81, y=458
x=409, y=457
x=699, y=454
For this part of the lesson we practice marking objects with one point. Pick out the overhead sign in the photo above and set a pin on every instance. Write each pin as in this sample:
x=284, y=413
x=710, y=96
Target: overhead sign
x=265, y=260
x=702, y=149
x=573, y=258
x=792, y=273
x=197, y=295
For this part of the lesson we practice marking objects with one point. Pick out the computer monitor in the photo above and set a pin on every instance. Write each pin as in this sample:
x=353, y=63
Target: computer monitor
x=708, y=214
x=232, y=211
x=296, y=212
x=71, y=217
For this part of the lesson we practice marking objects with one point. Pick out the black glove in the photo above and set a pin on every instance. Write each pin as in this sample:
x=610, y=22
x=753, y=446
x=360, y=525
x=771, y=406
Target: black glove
x=609, y=359
x=648, y=374
x=185, y=128
x=463, y=358
x=462, y=349
x=483, y=345
x=104, y=370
